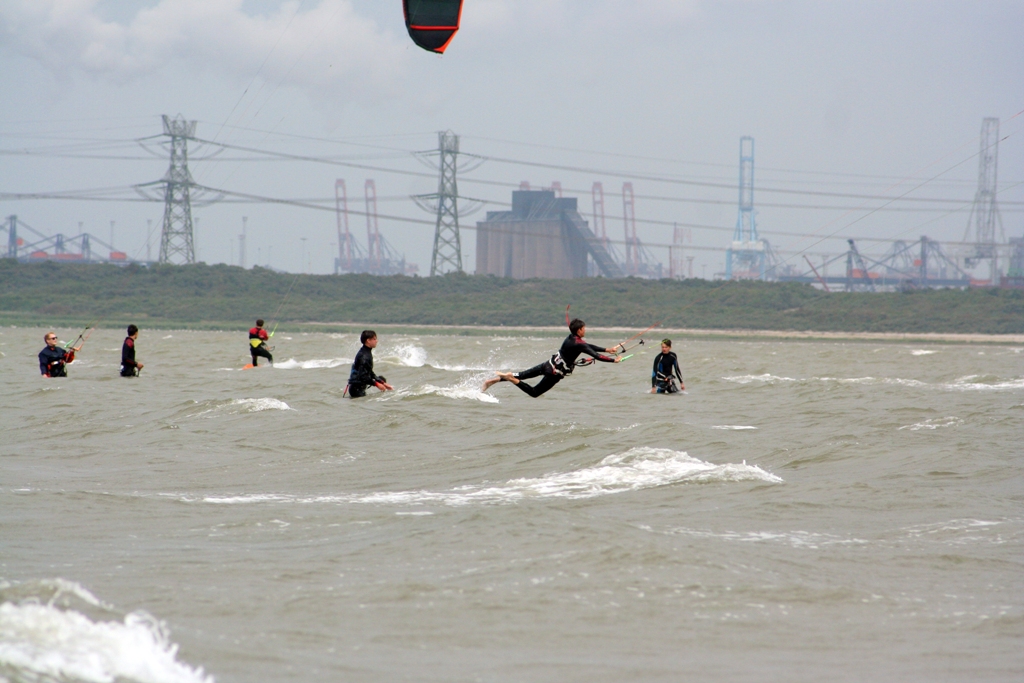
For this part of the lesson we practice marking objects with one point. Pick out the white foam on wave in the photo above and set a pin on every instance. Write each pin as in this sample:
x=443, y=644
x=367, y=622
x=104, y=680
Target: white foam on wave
x=467, y=389
x=458, y=368
x=257, y=405
x=733, y=427
x=773, y=379
x=933, y=423
x=241, y=405
x=965, y=531
x=966, y=384
x=797, y=539
x=897, y=381
x=463, y=390
x=314, y=364
x=42, y=639
x=922, y=352
x=637, y=468
x=408, y=355
x=769, y=379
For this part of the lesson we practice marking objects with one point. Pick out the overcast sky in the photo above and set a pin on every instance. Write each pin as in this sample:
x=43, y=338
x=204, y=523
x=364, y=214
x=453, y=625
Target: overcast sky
x=861, y=98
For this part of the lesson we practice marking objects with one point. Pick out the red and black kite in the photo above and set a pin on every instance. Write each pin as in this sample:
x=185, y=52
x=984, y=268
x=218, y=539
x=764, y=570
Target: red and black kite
x=432, y=23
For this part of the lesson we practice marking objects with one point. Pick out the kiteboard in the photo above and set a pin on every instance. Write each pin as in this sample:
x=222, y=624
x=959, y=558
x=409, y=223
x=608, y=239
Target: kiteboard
x=249, y=366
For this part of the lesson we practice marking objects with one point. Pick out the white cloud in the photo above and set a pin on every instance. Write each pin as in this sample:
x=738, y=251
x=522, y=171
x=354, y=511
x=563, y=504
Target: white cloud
x=328, y=47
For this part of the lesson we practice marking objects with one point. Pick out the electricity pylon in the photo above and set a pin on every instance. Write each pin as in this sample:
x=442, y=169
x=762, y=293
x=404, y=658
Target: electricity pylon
x=447, y=242
x=176, y=245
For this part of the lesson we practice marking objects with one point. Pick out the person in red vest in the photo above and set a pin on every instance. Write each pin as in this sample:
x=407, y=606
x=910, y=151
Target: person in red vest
x=258, y=343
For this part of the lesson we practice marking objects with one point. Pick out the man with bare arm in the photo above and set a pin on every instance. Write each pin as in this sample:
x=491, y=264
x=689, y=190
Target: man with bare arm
x=560, y=365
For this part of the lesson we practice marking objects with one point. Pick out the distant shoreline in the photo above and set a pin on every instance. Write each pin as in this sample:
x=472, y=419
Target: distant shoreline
x=932, y=337
x=597, y=332
x=204, y=297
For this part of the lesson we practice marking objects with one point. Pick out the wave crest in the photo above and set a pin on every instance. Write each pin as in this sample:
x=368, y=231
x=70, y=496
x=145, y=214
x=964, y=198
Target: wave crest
x=42, y=639
x=638, y=468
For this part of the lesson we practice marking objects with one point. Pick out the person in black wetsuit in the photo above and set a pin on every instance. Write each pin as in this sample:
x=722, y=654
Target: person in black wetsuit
x=362, y=376
x=258, y=344
x=560, y=365
x=666, y=371
x=53, y=359
x=129, y=366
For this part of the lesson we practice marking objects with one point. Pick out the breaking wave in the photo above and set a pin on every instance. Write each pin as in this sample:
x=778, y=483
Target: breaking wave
x=636, y=469
x=236, y=406
x=796, y=539
x=56, y=630
x=968, y=383
x=933, y=423
x=468, y=388
x=409, y=355
x=768, y=379
x=315, y=364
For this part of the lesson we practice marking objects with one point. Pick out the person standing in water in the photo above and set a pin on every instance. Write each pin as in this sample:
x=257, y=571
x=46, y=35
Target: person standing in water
x=362, y=375
x=53, y=359
x=129, y=366
x=666, y=371
x=560, y=365
x=258, y=344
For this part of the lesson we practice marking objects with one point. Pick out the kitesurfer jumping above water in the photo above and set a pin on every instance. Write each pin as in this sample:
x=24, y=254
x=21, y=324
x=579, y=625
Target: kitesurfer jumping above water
x=560, y=365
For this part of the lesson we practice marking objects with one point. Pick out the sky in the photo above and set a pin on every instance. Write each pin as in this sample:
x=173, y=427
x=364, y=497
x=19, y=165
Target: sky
x=850, y=104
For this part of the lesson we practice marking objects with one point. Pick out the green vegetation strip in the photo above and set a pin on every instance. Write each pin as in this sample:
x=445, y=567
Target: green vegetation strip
x=204, y=297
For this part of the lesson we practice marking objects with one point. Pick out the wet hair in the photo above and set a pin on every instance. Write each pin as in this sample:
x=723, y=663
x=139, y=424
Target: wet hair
x=132, y=329
x=576, y=325
x=366, y=336
x=48, y=334
x=667, y=342
x=259, y=322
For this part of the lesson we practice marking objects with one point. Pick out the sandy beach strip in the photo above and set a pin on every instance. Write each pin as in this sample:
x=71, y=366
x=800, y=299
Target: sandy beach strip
x=695, y=333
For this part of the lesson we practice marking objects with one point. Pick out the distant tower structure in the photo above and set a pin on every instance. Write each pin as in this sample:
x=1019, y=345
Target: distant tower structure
x=12, y=236
x=629, y=219
x=680, y=236
x=176, y=244
x=985, y=211
x=524, y=185
x=241, y=243
x=447, y=254
x=556, y=187
x=346, y=250
x=747, y=250
x=375, y=252
x=1015, y=269
x=600, y=230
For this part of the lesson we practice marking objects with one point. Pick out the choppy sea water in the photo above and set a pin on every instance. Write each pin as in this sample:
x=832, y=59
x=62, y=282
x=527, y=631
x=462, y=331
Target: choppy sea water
x=805, y=512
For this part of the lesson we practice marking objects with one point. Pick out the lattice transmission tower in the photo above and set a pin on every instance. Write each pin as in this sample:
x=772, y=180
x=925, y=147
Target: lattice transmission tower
x=447, y=242
x=176, y=245
x=985, y=211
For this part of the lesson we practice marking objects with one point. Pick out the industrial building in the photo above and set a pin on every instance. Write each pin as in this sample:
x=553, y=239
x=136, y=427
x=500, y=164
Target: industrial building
x=543, y=236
